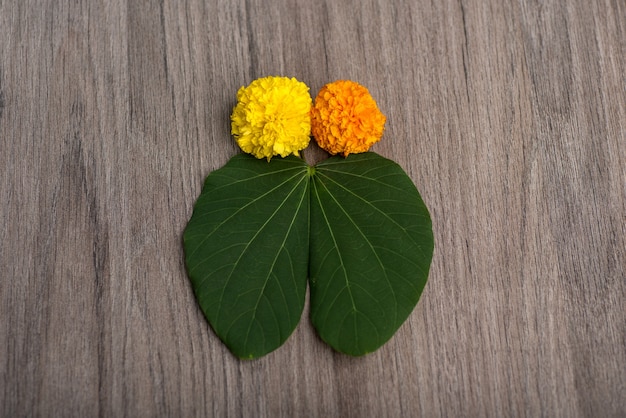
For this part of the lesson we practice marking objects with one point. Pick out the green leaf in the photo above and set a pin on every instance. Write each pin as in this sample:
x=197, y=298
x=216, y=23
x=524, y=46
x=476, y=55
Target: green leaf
x=246, y=249
x=370, y=251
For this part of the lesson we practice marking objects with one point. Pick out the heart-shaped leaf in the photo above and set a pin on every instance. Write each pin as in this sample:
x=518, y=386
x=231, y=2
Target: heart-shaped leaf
x=247, y=251
x=371, y=247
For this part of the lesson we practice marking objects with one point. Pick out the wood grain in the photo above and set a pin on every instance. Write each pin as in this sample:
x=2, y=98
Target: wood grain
x=510, y=117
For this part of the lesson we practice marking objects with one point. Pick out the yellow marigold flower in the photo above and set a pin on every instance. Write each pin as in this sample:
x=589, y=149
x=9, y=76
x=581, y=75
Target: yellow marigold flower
x=272, y=117
x=345, y=118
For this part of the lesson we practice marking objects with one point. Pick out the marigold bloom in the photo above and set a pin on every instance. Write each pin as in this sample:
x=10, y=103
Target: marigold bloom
x=272, y=117
x=345, y=118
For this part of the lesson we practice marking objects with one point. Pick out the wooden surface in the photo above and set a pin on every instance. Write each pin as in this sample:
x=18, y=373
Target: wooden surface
x=510, y=117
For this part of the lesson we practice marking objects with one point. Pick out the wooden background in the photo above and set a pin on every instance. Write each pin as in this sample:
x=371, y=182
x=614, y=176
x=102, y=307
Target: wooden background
x=509, y=116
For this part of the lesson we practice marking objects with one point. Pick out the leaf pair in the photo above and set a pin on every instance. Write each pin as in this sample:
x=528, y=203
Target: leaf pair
x=356, y=227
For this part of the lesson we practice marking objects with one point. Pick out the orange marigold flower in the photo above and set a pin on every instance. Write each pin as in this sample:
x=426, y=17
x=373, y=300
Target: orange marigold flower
x=345, y=118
